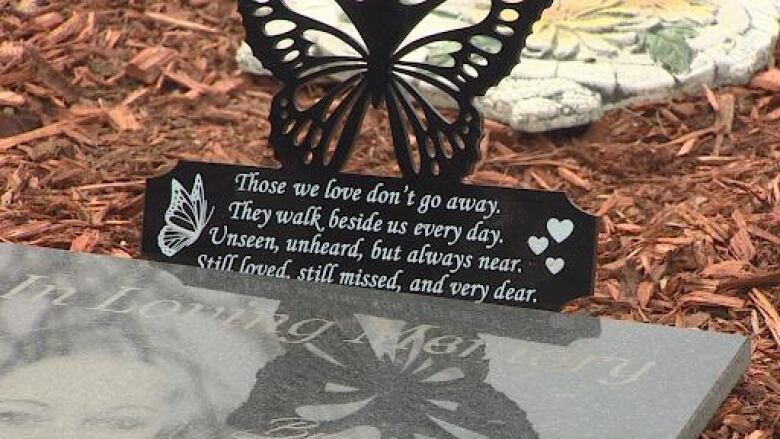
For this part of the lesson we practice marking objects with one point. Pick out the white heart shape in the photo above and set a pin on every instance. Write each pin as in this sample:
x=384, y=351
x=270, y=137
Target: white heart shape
x=538, y=245
x=555, y=265
x=560, y=230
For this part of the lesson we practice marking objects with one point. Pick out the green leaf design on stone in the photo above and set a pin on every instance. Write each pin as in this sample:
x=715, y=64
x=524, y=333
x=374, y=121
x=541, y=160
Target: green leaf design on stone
x=668, y=46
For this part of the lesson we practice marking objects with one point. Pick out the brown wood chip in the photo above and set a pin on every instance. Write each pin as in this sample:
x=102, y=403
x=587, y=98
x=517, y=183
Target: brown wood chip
x=644, y=293
x=177, y=22
x=712, y=299
x=11, y=99
x=769, y=80
x=574, y=179
x=86, y=242
x=122, y=119
x=149, y=63
x=67, y=29
x=769, y=312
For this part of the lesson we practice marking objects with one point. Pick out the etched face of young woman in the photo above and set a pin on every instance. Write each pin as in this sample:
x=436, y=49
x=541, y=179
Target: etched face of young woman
x=85, y=396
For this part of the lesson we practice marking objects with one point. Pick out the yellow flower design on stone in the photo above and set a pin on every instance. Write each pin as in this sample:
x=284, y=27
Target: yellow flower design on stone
x=671, y=11
x=597, y=29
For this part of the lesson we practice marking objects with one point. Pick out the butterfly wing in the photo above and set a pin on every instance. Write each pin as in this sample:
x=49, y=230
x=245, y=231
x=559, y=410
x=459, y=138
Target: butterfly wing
x=485, y=52
x=318, y=134
x=173, y=239
x=278, y=39
x=183, y=211
x=185, y=218
x=322, y=134
x=480, y=56
x=199, y=204
x=439, y=148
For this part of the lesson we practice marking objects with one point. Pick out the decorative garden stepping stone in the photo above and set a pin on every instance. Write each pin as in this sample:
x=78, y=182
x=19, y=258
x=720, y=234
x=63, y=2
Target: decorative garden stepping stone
x=588, y=56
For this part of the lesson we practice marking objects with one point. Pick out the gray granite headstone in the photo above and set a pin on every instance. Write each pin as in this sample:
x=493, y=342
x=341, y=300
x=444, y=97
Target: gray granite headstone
x=99, y=347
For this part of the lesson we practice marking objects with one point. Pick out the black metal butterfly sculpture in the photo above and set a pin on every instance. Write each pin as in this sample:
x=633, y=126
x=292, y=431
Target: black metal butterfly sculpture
x=379, y=69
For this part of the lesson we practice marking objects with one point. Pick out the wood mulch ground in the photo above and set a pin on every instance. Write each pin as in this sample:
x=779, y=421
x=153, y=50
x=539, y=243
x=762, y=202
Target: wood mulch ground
x=96, y=96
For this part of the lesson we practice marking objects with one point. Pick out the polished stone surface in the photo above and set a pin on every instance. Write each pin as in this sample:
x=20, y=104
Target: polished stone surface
x=588, y=56
x=157, y=350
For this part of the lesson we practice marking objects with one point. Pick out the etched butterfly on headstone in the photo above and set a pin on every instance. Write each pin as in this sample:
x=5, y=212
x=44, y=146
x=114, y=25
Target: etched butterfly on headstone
x=381, y=65
x=391, y=382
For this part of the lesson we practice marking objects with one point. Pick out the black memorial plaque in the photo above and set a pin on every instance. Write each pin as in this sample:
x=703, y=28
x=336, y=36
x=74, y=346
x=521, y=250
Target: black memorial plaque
x=484, y=244
x=426, y=233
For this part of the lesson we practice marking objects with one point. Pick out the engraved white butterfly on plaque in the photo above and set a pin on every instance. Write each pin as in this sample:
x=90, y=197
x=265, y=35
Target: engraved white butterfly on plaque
x=186, y=217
